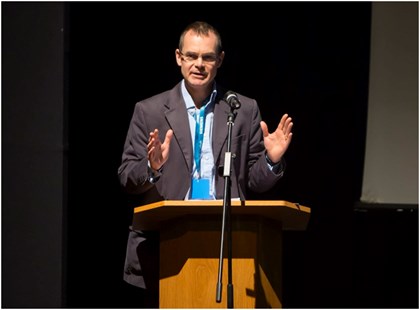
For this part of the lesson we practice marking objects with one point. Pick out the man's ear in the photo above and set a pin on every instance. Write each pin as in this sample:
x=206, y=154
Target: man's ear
x=178, y=57
x=220, y=59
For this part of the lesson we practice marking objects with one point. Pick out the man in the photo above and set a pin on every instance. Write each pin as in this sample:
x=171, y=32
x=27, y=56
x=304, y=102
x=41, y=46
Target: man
x=177, y=140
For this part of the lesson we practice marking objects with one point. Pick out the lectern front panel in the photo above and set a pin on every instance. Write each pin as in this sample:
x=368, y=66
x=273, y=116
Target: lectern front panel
x=189, y=254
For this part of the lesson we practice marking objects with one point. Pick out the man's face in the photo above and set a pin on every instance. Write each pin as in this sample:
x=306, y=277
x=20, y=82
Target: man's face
x=199, y=60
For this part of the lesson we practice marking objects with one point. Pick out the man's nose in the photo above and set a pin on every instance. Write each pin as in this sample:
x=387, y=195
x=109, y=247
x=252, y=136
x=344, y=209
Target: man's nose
x=199, y=61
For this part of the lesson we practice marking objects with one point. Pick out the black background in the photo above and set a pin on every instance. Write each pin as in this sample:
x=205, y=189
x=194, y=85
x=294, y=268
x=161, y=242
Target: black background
x=310, y=60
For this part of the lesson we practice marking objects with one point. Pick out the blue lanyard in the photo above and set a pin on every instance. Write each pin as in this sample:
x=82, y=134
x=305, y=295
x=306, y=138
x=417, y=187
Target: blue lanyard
x=200, y=123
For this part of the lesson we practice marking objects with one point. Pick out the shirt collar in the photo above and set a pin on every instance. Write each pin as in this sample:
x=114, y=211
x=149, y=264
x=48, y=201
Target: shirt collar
x=189, y=103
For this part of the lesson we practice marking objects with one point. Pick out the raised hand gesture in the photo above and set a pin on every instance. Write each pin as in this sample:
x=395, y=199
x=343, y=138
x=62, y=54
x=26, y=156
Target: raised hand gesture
x=158, y=152
x=277, y=142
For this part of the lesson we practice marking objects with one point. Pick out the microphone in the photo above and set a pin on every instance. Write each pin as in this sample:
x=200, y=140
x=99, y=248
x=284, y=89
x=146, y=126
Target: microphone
x=232, y=100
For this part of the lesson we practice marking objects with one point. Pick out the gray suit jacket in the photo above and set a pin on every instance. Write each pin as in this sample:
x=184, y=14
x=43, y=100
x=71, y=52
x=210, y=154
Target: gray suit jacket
x=167, y=111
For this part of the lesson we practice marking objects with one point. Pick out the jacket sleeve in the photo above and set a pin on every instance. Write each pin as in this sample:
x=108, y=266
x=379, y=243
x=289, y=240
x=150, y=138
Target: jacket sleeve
x=261, y=175
x=134, y=173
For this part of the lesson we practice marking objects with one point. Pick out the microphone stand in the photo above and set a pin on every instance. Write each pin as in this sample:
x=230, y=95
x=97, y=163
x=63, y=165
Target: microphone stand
x=226, y=222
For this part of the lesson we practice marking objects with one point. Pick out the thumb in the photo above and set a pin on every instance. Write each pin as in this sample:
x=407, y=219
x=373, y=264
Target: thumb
x=168, y=136
x=264, y=128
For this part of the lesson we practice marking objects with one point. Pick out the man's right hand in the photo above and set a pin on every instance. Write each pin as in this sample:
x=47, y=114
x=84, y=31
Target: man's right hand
x=158, y=152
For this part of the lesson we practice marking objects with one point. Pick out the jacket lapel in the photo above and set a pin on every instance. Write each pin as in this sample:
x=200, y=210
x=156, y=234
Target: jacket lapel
x=221, y=111
x=177, y=118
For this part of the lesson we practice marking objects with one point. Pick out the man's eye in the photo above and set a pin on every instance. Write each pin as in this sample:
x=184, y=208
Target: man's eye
x=209, y=58
x=191, y=56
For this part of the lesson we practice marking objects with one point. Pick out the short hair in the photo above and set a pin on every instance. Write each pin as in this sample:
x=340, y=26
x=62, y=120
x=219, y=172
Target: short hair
x=201, y=28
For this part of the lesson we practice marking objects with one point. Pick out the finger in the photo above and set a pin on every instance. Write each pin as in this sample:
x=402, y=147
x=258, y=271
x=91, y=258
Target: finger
x=289, y=139
x=154, y=134
x=289, y=127
x=264, y=128
x=151, y=142
x=154, y=141
x=150, y=151
x=282, y=122
x=168, y=137
x=288, y=121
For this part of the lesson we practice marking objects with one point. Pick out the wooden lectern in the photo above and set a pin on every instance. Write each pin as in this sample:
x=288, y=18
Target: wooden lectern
x=190, y=233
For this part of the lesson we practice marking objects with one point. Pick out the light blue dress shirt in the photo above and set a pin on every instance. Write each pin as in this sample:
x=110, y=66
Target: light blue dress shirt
x=207, y=160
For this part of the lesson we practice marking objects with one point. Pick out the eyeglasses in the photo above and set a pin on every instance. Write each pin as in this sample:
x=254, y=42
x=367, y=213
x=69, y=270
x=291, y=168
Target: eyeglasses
x=206, y=58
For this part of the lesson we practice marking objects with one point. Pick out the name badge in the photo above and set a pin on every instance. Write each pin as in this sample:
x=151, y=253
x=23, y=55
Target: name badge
x=200, y=189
